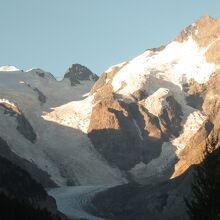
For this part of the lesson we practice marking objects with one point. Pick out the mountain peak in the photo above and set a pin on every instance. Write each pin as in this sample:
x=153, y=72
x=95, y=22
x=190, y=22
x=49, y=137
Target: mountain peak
x=203, y=31
x=206, y=18
x=77, y=72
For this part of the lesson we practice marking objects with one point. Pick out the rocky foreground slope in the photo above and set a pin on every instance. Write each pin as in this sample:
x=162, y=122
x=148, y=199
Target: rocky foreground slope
x=145, y=120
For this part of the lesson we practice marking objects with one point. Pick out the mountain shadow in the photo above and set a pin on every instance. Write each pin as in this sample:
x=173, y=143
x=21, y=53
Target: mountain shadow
x=164, y=200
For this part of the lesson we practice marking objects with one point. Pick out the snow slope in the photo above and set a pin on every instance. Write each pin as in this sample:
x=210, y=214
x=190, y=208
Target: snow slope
x=176, y=63
x=62, y=148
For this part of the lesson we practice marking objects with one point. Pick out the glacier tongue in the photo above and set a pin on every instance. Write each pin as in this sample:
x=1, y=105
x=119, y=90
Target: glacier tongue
x=73, y=201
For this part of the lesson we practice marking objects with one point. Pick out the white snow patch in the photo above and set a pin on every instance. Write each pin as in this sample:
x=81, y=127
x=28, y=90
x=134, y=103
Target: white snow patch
x=138, y=129
x=85, y=95
x=196, y=32
x=75, y=114
x=156, y=102
x=107, y=80
x=193, y=123
x=8, y=68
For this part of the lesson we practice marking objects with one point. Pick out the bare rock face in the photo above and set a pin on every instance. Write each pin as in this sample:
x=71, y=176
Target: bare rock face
x=139, y=95
x=106, y=78
x=77, y=73
x=111, y=133
x=170, y=119
x=41, y=73
x=117, y=130
x=207, y=31
x=211, y=95
x=208, y=97
x=125, y=132
x=194, y=96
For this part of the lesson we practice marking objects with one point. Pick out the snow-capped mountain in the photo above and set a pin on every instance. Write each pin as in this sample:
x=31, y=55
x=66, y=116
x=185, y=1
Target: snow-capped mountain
x=144, y=120
x=152, y=107
x=158, y=110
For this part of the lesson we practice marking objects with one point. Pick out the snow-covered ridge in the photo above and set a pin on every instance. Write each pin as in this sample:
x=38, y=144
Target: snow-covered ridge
x=115, y=66
x=177, y=63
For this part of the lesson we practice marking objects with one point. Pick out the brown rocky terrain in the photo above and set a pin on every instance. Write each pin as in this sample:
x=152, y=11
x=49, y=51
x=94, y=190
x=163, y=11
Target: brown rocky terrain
x=208, y=95
x=205, y=32
x=127, y=133
x=122, y=127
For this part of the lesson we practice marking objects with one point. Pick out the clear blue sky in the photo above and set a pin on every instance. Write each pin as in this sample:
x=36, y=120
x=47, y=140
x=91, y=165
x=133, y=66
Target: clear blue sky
x=52, y=34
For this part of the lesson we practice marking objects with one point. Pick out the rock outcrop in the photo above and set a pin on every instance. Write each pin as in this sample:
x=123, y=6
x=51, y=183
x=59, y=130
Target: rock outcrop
x=77, y=73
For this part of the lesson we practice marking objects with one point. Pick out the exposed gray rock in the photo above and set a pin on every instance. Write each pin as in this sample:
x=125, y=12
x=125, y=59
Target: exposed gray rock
x=44, y=74
x=41, y=97
x=77, y=73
